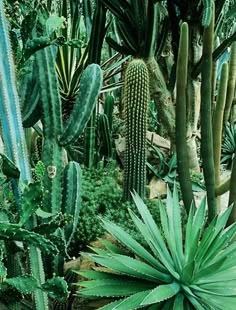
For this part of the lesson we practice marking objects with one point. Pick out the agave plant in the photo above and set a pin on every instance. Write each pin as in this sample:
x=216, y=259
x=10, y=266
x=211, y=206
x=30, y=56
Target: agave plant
x=195, y=269
x=228, y=145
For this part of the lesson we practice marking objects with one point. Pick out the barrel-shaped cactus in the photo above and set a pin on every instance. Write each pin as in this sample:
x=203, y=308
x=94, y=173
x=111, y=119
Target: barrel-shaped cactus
x=136, y=100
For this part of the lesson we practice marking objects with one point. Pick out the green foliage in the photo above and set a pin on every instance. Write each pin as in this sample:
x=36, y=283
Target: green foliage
x=176, y=271
x=228, y=145
x=101, y=196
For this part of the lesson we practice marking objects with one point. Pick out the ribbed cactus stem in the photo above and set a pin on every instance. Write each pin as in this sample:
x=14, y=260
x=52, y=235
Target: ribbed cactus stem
x=10, y=114
x=136, y=98
x=181, y=135
x=206, y=119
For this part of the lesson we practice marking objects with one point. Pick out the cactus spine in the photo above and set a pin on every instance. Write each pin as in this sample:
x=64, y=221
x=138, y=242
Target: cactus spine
x=136, y=100
x=181, y=135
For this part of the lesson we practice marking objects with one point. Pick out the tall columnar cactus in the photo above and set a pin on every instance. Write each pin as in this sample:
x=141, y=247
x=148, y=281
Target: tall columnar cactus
x=181, y=135
x=206, y=119
x=13, y=136
x=136, y=100
x=59, y=195
x=10, y=113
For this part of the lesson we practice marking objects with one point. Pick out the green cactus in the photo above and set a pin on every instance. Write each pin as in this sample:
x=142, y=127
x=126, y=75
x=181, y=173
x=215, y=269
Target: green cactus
x=207, y=12
x=136, y=100
x=71, y=197
x=14, y=141
x=10, y=113
x=218, y=124
x=108, y=109
x=206, y=119
x=181, y=135
x=231, y=83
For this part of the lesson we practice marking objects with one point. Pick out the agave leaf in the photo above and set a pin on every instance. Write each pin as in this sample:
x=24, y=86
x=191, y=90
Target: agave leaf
x=175, y=241
x=188, y=272
x=222, y=276
x=207, y=240
x=94, y=275
x=194, y=301
x=132, y=302
x=179, y=302
x=131, y=244
x=161, y=293
x=112, y=248
x=228, y=288
x=153, y=231
x=160, y=251
x=221, y=302
x=113, y=263
x=219, y=244
x=98, y=251
x=193, y=230
x=111, y=288
x=211, y=269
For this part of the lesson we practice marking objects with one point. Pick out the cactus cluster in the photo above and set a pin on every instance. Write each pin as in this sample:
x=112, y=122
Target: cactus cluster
x=136, y=101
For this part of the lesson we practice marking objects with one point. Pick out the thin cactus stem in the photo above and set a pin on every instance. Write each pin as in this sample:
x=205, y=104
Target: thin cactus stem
x=206, y=119
x=181, y=135
x=218, y=124
x=231, y=83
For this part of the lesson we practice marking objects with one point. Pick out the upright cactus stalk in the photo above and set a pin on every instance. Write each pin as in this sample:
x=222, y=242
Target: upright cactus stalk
x=14, y=139
x=10, y=113
x=181, y=135
x=136, y=100
x=231, y=83
x=59, y=195
x=206, y=119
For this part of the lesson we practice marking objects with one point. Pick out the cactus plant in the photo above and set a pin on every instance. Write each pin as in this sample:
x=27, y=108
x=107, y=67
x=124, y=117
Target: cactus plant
x=136, y=101
x=181, y=145
x=206, y=119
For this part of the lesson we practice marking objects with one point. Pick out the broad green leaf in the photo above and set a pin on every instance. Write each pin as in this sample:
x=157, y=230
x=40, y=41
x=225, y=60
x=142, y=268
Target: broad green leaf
x=161, y=293
x=218, y=302
x=132, y=302
x=112, y=288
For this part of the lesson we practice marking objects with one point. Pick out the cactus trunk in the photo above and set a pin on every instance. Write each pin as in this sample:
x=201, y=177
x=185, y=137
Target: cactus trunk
x=136, y=98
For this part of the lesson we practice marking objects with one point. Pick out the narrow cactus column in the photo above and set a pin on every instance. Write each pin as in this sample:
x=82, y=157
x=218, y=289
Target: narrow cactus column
x=181, y=135
x=206, y=119
x=136, y=100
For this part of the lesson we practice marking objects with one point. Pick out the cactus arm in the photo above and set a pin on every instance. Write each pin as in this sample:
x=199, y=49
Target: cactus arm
x=105, y=133
x=136, y=97
x=10, y=113
x=71, y=197
x=231, y=83
x=52, y=128
x=207, y=13
x=181, y=135
x=218, y=124
x=90, y=85
x=206, y=120
x=108, y=109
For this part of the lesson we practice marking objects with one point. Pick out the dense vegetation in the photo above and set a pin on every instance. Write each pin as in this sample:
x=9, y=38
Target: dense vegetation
x=115, y=116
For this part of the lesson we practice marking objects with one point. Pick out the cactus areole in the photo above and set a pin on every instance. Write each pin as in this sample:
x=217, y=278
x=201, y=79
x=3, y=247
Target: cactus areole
x=136, y=100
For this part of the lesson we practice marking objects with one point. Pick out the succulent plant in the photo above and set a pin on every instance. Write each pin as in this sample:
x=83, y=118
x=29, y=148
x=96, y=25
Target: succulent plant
x=194, y=269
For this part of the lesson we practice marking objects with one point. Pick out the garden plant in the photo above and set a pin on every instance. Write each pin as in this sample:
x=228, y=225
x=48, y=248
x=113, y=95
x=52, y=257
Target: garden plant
x=116, y=116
